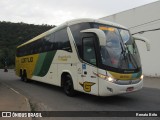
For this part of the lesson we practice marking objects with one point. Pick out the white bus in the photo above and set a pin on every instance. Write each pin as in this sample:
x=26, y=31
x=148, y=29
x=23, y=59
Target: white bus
x=87, y=55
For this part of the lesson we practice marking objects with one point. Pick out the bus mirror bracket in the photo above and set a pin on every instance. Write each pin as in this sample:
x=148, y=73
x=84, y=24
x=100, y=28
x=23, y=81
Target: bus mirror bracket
x=143, y=40
x=99, y=33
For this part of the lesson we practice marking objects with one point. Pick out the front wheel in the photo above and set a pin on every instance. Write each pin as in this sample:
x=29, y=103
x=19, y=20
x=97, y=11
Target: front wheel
x=68, y=87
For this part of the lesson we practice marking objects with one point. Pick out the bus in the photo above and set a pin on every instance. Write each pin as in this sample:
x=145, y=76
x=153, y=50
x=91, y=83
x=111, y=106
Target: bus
x=88, y=55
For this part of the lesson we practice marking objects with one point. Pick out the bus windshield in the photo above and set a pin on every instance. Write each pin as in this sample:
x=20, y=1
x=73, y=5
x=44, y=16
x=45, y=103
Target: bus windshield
x=120, y=51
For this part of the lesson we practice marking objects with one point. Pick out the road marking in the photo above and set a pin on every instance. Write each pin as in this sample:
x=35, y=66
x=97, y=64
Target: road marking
x=15, y=91
x=11, y=88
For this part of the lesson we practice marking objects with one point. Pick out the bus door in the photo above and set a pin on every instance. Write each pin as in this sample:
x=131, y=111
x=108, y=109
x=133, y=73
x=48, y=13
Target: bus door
x=89, y=79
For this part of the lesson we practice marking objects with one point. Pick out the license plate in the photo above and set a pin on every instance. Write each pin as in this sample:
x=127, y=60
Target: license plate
x=129, y=89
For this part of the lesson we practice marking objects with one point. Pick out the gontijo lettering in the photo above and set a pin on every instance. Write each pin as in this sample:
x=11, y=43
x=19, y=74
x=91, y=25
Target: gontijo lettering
x=29, y=59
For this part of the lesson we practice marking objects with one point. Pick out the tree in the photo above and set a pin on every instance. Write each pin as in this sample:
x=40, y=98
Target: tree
x=14, y=34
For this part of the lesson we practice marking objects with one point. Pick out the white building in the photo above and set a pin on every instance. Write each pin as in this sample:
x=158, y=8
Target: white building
x=146, y=17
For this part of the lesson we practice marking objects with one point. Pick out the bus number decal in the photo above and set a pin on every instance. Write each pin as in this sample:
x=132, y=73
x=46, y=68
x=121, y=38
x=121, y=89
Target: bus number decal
x=87, y=86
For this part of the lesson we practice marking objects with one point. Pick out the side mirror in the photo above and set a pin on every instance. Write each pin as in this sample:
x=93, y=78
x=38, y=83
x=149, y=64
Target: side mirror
x=99, y=33
x=143, y=40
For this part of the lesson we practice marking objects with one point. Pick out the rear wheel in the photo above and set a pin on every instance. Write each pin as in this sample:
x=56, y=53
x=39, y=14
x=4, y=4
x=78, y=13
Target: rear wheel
x=68, y=86
x=21, y=75
x=24, y=77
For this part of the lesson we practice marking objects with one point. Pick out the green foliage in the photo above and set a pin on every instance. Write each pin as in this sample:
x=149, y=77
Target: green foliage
x=14, y=34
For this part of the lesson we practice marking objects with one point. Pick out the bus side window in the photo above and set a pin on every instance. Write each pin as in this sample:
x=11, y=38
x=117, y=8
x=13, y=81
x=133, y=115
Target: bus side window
x=77, y=34
x=49, y=42
x=89, y=50
x=62, y=40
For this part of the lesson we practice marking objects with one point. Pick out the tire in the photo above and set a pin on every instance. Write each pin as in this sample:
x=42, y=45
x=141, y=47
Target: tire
x=24, y=77
x=21, y=75
x=21, y=78
x=68, y=86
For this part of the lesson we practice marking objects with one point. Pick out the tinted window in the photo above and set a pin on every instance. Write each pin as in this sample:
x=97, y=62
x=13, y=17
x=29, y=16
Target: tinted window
x=62, y=40
x=89, y=50
x=77, y=34
x=55, y=41
x=50, y=43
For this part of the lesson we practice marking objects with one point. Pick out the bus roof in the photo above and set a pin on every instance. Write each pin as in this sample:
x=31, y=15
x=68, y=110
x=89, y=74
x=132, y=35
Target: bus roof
x=69, y=23
x=75, y=21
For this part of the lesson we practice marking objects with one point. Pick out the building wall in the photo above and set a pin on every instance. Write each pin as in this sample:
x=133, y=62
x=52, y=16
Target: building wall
x=142, y=18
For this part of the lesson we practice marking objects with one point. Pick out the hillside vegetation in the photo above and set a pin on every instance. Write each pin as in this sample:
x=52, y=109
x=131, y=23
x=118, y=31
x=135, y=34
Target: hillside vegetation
x=14, y=34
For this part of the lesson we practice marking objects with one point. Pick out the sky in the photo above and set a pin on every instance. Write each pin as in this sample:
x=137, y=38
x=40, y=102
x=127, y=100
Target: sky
x=55, y=12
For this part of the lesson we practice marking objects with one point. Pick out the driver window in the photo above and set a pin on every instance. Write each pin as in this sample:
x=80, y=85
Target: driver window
x=89, y=50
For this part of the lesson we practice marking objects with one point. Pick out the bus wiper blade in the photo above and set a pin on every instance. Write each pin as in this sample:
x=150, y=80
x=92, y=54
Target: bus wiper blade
x=122, y=57
x=132, y=59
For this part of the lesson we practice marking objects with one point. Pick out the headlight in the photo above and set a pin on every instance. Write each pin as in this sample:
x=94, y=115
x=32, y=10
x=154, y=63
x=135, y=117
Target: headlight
x=110, y=79
x=105, y=77
x=102, y=76
x=141, y=77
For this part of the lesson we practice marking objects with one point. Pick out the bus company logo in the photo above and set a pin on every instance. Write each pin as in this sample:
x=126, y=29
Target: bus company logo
x=25, y=60
x=64, y=58
x=87, y=86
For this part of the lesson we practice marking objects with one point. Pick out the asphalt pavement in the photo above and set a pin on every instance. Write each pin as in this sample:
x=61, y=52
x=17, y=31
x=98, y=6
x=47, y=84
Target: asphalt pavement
x=15, y=96
x=12, y=100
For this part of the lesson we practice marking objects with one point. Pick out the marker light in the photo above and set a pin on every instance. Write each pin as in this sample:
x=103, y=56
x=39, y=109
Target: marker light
x=102, y=76
x=105, y=77
x=141, y=77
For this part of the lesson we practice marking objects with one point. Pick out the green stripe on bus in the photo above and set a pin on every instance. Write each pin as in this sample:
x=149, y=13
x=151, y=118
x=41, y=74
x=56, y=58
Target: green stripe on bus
x=39, y=63
x=46, y=63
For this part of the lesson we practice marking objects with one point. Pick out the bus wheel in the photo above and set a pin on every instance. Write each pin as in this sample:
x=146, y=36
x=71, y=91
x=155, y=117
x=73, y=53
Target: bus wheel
x=24, y=78
x=68, y=86
x=21, y=75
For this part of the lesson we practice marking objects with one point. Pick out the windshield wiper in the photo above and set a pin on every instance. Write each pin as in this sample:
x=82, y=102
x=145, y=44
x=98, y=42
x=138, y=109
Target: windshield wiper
x=123, y=58
x=133, y=61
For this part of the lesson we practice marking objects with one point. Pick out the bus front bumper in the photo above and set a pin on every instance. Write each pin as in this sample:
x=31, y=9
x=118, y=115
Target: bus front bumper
x=107, y=88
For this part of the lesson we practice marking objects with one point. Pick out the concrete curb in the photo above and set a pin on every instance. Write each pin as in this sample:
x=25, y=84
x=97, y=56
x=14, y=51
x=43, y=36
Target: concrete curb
x=28, y=107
